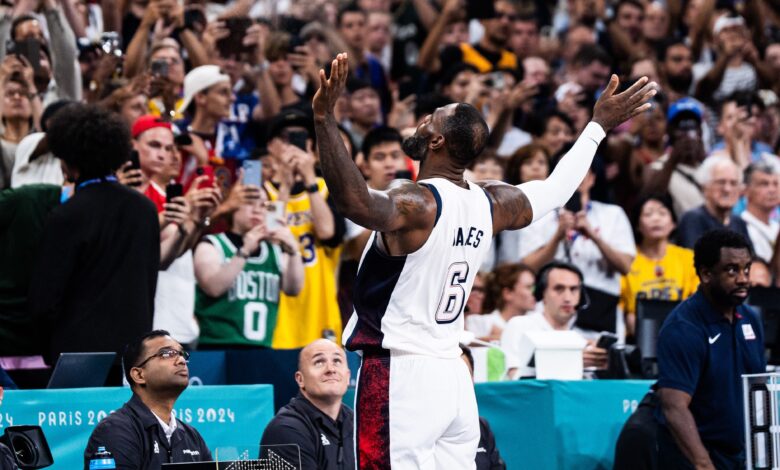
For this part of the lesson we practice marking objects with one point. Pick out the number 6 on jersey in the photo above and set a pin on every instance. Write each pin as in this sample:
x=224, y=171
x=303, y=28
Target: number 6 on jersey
x=453, y=297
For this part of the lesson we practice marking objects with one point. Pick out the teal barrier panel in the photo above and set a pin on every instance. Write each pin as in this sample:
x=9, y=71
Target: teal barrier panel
x=229, y=417
x=559, y=425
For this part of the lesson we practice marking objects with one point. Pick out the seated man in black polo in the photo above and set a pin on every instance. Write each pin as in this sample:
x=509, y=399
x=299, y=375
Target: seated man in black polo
x=315, y=426
x=704, y=347
x=144, y=434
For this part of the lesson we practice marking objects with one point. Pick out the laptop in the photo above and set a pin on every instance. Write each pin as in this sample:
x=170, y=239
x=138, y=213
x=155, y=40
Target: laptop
x=81, y=370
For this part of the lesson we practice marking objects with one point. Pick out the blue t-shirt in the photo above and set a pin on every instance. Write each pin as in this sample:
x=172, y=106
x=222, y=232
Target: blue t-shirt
x=703, y=355
x=696, y=222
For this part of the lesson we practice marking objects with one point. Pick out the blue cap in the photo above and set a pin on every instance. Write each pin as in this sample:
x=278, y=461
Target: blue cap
x=684, y=105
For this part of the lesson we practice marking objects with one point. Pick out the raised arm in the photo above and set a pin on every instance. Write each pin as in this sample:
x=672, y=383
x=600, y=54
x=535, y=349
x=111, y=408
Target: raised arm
x=515, y=207
x=405, y=208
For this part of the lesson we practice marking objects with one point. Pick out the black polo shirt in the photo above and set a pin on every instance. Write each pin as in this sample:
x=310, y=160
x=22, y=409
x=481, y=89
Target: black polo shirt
x=137, y=441
x=703, y=355
x=322, y=443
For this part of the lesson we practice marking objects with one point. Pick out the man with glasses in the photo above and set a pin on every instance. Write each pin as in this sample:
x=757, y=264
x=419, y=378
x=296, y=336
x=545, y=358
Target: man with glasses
x=721, y=182
x=144, y=434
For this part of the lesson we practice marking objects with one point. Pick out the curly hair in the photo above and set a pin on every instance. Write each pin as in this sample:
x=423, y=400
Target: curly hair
x=89, y=138
x=706, y=251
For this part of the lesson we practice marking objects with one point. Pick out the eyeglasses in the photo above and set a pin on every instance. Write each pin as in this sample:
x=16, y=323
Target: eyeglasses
x=12, y=93
x=167, y=353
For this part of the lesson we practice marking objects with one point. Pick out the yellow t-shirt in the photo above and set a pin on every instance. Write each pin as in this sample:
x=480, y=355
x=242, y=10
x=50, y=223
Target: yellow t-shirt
x=302, y=318
x=671, y=278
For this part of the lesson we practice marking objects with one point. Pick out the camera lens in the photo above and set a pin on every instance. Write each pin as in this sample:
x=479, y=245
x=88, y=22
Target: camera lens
x=25, y=450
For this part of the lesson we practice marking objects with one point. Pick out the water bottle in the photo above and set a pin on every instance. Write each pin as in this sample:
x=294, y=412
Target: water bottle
x=101, y=460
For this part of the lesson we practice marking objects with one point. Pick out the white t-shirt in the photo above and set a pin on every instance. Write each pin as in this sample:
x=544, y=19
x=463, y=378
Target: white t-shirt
x=608, y=220
x=518, y=348
x=762, y=235
x=44, y=169
x=174, y=301
x=482, y=325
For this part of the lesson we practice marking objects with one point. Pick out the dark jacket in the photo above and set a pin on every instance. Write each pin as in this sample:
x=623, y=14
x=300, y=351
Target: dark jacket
x=324, y=444
x=137, y=441
x=488, y=457
x=94, y=283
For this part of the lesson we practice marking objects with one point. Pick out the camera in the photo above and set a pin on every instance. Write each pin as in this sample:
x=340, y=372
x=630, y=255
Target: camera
x=28, y=447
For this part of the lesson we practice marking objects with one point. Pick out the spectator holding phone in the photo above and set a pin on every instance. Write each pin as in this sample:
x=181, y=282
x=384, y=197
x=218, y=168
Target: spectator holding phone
x=594, y=236
x=241, y=274
x=57, y=73
x=21, y=111
x=319, y=228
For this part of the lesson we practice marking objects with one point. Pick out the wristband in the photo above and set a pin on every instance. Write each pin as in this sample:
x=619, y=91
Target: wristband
x=313, y=188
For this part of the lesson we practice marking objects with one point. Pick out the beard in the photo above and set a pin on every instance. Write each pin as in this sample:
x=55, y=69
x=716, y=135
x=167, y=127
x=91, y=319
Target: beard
x=680, y=83
x=416, y=147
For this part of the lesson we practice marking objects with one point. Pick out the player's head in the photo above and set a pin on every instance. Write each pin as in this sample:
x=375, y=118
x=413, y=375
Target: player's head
x=456, y=131
x=322, y=373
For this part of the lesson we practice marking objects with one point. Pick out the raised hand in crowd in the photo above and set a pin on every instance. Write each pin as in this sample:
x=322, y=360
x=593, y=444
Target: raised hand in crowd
x=253, y=237
x=203, y=200
x=214, y=32
x=304, y=62
x=132, y=177
x=176, y=211
x=402, y=113
x=239, y=194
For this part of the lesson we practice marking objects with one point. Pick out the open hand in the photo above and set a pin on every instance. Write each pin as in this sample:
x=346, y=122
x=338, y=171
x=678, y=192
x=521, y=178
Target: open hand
x=613, y=109
x=332, y=87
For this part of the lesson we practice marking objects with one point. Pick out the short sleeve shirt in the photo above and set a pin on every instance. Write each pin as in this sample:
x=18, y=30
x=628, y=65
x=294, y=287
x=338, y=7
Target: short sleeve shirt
x=609, y=221
x=704, y=355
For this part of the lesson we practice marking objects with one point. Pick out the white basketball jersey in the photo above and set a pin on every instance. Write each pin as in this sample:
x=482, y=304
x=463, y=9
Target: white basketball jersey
x=414, y=303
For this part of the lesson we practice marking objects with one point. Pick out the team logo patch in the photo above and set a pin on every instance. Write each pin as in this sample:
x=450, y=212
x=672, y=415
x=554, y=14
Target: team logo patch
x=747, y=331
x=325, y=440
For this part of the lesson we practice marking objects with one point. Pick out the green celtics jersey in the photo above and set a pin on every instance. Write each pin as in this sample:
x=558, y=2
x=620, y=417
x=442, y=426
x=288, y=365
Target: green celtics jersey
x=246, y=314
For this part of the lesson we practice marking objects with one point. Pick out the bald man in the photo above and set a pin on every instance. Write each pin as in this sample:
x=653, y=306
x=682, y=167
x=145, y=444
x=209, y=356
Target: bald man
x=315, y=426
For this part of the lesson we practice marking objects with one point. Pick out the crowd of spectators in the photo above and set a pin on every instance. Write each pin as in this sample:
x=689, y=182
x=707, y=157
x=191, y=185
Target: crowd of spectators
x=204, y=113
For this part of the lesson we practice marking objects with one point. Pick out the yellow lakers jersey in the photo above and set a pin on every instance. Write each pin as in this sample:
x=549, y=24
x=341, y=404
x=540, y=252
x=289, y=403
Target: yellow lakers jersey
x=303, y=318
x=671, y=278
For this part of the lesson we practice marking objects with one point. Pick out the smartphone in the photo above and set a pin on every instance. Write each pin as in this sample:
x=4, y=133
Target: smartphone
x=298, y=139
x=159, y=68
x=253, y=172
x=274, y=212
x=499, y=82
x=606, y=340
x=233, y=44
x=173, y=190
x=182, y=139
x=480, y=10
x=135, y=162
x=574, y=204
x=209, y=172
x=29, y=48
x=403, y=175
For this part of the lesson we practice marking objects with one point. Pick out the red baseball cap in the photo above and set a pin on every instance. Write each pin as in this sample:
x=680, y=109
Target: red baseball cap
x=146, y=122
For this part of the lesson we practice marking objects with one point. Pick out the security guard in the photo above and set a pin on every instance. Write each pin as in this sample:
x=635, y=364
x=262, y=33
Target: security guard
x=315, y=426
x=144, y=434
x=704, y=347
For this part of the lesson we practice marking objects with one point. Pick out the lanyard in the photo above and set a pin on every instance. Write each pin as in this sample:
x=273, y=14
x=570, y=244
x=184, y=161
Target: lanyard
x=96, y=180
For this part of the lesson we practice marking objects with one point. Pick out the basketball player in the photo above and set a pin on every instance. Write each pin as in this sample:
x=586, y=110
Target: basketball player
x=415, y=404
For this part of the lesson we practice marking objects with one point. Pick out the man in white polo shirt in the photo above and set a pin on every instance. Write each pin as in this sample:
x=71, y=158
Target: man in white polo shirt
x=559, y=287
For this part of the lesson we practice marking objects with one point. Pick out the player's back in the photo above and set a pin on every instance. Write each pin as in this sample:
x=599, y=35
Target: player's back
x=414, y=303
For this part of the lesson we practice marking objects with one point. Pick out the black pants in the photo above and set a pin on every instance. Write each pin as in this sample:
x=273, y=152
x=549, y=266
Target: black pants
x=636, y=446
x=671, y=457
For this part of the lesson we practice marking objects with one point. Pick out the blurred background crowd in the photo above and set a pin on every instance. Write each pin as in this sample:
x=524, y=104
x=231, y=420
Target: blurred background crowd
x=213, y=102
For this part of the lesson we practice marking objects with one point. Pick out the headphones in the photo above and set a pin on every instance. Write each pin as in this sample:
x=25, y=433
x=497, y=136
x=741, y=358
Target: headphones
x=544, y=276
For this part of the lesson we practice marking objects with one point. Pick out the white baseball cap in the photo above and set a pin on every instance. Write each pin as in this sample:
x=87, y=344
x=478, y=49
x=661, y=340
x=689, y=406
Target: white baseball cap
x=199, y=79
x=726, y=21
